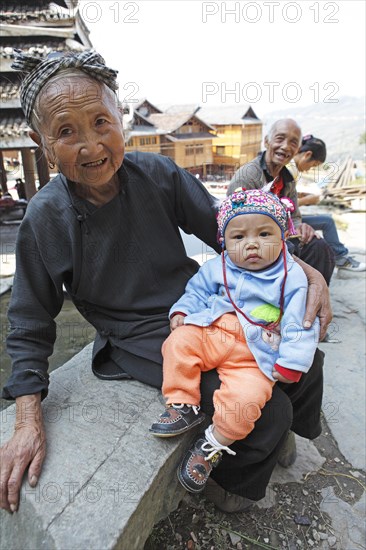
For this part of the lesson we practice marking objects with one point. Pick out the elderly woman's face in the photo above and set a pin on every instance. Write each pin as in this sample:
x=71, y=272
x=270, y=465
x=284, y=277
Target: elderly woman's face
x=82, y=130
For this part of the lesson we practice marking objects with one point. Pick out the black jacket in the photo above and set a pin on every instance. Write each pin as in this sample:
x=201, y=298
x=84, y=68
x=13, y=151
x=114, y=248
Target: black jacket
x=123, y=264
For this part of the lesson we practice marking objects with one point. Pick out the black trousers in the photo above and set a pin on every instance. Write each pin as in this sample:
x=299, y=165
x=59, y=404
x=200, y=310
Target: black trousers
x=292, y=406
x=316, y=253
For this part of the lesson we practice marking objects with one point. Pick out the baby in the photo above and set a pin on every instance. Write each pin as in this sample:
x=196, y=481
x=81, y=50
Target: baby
x=241, y=314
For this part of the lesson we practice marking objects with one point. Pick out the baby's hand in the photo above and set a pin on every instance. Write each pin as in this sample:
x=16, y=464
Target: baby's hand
x=176, y=321
x=279, y=378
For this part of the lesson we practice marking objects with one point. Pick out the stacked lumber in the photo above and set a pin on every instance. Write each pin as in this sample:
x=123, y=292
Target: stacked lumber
x=345, y=192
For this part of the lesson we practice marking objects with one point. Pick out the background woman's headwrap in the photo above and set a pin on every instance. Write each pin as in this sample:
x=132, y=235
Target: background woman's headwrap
x=41, y=70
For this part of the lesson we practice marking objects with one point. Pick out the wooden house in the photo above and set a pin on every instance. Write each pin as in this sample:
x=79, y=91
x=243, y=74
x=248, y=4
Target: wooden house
x=186, y=139
x=142, y=134
x=37, y=27
x=180, y=135
x=205, y=140
x=239, y=136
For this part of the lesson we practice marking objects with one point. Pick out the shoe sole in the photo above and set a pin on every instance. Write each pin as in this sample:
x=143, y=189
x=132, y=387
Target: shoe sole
x=177, y=432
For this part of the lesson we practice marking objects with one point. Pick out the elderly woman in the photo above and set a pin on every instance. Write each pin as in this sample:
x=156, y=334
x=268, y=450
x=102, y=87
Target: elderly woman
x=107, y=228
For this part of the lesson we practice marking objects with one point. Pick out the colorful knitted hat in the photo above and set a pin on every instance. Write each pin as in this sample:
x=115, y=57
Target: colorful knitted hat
x=254, y=201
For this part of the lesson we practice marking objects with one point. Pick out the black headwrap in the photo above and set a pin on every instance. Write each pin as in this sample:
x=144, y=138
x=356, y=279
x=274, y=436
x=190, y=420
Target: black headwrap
x=40, y=71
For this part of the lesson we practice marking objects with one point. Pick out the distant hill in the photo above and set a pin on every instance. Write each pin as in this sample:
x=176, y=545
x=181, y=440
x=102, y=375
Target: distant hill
x=338, y=124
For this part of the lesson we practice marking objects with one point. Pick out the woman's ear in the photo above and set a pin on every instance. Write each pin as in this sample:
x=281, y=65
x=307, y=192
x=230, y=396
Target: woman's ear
x=120, y=110
x=35, y=137
x=38, y=140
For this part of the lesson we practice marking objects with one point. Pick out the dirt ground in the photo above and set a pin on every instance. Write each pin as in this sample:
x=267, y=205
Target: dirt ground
x=296, y=522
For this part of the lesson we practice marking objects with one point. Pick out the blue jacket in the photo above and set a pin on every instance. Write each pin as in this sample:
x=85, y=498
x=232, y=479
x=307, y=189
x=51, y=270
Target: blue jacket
x=205, y=300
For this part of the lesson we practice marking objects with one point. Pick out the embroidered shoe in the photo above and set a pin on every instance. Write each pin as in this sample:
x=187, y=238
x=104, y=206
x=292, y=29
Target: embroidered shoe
x=196, y=466
x=177, y=419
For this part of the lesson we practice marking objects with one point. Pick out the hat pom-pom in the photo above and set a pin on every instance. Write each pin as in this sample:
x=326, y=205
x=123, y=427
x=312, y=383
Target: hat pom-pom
x=289, y=207
x=288, y=204
x=238, y=198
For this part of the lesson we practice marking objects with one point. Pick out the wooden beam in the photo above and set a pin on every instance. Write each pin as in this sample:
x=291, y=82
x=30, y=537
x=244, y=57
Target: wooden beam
x=42, y=168
x=3, y=181
x=28, y=30
x=29, y=173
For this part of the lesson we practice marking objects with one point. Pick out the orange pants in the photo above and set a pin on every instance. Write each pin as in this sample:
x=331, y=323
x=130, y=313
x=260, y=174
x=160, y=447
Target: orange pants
x=244, y=390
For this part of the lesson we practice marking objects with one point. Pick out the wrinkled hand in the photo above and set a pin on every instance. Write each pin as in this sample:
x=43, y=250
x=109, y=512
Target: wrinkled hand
x=307, y=233
x=280, y=378
x=176, y=321
x=318, y=299
x=26, y=448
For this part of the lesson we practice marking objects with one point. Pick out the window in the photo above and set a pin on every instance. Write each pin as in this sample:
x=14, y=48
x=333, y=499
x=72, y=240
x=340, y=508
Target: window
x=148, y=141
x=194, y=149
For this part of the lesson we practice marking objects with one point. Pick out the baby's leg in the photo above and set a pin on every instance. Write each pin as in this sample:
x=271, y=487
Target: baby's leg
x=238, y=402
x=182, y=365
x=187, y=352
x=183, y=361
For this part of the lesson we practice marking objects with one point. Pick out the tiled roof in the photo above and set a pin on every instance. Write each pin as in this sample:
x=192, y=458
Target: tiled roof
x=19, y=18
x=173, y=109
x=213, y=116
x=33, y=12
x=228, y=115
x=34, y=46
x=9, y=86
x=139, y=118
x=170, y=123
x=12, y=123
x=145, y=110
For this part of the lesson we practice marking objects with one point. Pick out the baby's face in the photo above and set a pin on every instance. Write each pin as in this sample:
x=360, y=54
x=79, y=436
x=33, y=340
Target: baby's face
x=253, y=241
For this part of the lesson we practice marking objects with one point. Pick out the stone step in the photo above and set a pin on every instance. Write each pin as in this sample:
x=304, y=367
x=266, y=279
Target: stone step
x=106, y=480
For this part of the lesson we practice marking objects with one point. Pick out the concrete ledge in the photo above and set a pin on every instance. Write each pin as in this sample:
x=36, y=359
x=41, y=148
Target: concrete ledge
x=106, y=481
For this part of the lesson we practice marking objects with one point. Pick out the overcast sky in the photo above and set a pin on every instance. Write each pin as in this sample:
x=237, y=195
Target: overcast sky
x=266, y=53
